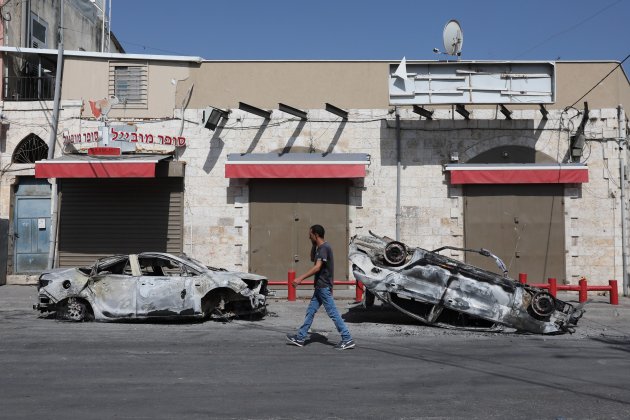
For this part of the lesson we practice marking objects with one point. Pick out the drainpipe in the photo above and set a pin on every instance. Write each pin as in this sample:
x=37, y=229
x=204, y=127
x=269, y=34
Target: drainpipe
x=621, y=121
x=398, y=172
x=26, y=21
x=53, y=140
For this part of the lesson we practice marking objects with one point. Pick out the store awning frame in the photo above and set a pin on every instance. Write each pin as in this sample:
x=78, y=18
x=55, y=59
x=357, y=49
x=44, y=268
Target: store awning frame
x=296, y=165
x=515, y=173
x=83, y=166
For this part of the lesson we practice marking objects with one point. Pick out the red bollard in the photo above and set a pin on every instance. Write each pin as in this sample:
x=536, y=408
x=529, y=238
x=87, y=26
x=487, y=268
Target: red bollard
x=553, y=286
x=291, y=289
x=358, y=291
x=614, y=292
x=583, y=290
x=522, y=278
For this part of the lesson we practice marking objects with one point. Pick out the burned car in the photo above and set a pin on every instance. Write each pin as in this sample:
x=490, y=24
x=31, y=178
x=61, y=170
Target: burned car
x=448, y=293
x=147, y=286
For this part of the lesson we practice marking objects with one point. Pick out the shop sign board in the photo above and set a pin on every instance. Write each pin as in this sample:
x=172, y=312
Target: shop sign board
x=471, y=82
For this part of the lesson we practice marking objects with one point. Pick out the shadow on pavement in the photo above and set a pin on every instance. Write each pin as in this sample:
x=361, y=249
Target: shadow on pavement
x=318, y=338
x=615, y=342
x=381, y=314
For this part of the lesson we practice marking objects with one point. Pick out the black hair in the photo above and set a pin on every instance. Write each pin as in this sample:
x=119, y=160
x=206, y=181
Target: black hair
x=318, y=230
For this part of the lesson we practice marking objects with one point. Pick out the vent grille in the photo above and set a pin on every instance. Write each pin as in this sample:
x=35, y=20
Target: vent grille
x=129, y=83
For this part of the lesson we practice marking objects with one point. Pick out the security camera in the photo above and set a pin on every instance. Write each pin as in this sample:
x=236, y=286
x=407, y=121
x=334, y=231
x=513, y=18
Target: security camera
x=435, y=50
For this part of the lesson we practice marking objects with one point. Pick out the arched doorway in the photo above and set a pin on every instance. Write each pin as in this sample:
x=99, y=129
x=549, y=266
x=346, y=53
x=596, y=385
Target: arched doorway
x=31, y=215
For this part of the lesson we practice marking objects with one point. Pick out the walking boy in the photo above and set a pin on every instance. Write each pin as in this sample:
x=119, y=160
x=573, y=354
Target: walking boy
x=323, y=269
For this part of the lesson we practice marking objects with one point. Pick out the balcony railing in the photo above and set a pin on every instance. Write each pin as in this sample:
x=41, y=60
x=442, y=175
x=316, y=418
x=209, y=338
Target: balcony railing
x=28, y=88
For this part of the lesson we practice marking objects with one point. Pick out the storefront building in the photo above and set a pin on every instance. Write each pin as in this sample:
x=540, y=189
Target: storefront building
x=291, y=144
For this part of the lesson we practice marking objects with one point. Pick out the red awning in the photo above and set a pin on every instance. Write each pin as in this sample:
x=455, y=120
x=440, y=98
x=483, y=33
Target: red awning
x=297, y=165
x=81, y=166
x=518, y=173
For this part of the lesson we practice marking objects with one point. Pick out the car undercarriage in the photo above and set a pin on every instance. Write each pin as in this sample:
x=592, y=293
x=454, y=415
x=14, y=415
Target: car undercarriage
x=444, y=292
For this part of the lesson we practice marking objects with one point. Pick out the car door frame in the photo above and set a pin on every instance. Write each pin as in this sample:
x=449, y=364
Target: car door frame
x=110, y=291
x=149, y=304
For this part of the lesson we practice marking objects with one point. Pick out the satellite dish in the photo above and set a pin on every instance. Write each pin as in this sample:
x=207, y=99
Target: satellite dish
x=453, y=38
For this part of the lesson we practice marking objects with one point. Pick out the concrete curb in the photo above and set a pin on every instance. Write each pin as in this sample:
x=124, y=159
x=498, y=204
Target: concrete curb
x=22, y=280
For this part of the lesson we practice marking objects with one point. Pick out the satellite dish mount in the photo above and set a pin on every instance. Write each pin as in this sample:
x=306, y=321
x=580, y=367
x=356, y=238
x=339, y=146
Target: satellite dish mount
x=453, y=38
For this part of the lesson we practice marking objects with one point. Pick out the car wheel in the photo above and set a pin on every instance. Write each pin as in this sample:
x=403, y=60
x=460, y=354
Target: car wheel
x=76, y=310
x=395, y=253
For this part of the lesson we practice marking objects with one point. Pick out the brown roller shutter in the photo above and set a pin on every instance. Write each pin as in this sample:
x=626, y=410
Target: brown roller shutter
x=280, y=213
x=522, y=224
x=100, y=217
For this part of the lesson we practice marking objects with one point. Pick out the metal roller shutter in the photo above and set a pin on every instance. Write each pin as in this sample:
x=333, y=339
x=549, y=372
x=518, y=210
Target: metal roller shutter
x=100, y=217
x=282, y=211
x=522, y=224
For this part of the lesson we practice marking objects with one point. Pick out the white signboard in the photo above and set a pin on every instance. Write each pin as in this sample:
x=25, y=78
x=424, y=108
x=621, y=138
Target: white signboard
x=463, y=83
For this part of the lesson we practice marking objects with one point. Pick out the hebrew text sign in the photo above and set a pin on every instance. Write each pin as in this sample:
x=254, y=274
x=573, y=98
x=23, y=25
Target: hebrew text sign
x=87, y=137
x=178, y=141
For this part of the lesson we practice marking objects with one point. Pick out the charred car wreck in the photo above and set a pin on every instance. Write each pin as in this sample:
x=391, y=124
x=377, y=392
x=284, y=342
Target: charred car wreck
x=448, y=293
x=150, y=285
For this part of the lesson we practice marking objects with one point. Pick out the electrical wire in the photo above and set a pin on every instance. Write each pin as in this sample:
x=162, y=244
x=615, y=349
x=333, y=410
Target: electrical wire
x=597, y=84
x=569, y=29
x=611, y=178
x=144, y=47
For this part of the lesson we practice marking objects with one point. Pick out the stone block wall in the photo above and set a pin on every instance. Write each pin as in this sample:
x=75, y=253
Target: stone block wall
x=216, y=209
x=431, y=209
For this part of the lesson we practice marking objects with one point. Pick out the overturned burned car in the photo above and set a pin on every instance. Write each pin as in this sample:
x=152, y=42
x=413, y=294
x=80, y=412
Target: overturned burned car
x=444, y=292
x=150, y=285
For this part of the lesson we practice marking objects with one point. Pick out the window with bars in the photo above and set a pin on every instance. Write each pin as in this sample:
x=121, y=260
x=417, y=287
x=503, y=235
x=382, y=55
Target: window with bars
x=128, y=82
x=30, y=150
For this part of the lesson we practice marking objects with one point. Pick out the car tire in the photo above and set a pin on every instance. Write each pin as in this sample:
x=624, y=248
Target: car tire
x=76, y=311
x=395, y=253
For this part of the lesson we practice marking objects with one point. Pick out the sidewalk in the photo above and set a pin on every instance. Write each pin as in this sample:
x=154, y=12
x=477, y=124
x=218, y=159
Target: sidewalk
x=600, y=316
x=306, y=291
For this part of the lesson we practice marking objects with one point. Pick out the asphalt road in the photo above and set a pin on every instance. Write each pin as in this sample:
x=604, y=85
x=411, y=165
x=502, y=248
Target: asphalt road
x=51, y=369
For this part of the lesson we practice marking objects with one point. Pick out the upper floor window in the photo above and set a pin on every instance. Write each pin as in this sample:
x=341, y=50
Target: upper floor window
x=39, y=31
x=128, y=82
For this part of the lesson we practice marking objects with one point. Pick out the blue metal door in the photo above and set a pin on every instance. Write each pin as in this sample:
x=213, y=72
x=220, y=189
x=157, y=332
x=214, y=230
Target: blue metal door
x=31, y=229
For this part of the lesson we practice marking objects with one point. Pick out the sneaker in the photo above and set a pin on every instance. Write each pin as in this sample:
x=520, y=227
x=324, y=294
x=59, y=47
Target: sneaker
x=292, y=339
x=345, y=345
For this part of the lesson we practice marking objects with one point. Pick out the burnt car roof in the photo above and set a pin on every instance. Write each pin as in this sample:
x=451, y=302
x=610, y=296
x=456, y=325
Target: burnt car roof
x=113, y=259
x=445, y=292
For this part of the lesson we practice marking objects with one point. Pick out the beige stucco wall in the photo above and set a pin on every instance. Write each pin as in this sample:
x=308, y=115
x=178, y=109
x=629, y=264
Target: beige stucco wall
x=299, y=84
x=307, y=85
x=574, y=79
x=88, y=79
x=363, y=85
